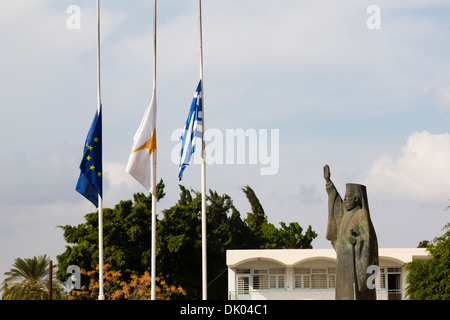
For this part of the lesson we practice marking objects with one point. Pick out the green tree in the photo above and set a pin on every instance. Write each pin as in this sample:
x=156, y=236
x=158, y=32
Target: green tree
x=28, y=280
x=430, y=279
x=226, y=230
x=127, y=230
x=291, y=237
x=267, y=236
x=179, y=252
x=423, y=244
x=126, y=237
x=257, y=214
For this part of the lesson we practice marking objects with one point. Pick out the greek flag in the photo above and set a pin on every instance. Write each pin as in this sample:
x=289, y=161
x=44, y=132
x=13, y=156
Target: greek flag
x=192, y=129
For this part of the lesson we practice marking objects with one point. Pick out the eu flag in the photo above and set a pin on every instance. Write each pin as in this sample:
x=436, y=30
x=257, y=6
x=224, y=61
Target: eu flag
x=90, y=180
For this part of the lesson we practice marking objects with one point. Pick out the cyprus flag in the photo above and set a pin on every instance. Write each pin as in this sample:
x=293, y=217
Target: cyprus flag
x=142, y=162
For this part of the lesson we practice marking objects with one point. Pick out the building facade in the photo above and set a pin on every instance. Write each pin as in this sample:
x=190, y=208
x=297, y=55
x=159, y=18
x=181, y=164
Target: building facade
x=309, y=274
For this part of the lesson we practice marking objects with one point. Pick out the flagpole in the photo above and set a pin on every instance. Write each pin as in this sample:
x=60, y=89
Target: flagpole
x=153, y=172
x=203, y=167
x=101, y=295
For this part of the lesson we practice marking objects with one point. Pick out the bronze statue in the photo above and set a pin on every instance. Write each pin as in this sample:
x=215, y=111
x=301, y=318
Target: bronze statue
x=353, y=237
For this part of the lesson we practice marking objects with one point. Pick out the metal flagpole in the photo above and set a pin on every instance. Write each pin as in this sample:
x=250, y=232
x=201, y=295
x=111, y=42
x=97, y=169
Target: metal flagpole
x=204, y=233
x=153, y=171
x=101, y=295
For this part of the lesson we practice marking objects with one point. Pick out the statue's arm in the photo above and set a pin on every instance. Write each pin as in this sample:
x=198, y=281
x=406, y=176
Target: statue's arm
x=326, y=173
x=331, y=190
x=334, y=206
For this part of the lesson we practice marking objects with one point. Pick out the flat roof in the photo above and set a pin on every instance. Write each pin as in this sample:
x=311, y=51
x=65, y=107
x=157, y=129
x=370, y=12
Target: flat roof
x=291, y=257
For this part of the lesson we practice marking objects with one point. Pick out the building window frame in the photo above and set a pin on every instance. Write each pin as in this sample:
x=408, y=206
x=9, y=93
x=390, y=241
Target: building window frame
x=269, y=279
x=381, y=279
x=314, y=278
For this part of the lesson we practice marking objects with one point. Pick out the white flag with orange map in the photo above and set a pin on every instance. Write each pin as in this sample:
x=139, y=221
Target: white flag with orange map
x=142, y=162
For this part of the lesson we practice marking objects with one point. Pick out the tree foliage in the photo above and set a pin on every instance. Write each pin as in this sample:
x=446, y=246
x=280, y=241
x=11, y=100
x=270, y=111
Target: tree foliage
x=180, y=242
x=126, y=237
x=127, y=230
x=430, y=279
x=28, y=279
x=115, y=288
x=267, y=236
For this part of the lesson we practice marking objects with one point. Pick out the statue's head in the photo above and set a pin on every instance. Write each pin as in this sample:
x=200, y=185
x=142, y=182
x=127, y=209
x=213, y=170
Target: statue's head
x=351, y=201
x=353, y=196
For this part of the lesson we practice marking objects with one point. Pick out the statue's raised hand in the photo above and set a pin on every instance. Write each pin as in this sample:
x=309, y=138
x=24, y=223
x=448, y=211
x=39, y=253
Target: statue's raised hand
x=326, y=173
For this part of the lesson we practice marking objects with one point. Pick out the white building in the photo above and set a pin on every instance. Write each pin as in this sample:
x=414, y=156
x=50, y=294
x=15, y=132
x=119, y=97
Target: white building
x=300, y=274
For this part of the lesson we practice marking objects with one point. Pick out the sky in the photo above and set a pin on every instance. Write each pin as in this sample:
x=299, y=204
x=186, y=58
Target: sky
x=363, y=86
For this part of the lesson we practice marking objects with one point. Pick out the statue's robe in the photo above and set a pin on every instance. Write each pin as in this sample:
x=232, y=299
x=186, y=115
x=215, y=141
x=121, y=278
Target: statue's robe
x=352, y=260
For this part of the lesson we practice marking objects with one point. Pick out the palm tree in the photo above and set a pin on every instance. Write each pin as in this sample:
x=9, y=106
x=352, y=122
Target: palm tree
x=28, y=280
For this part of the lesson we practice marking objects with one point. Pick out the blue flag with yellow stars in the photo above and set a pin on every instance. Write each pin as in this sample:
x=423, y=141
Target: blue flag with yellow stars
x=90, y=180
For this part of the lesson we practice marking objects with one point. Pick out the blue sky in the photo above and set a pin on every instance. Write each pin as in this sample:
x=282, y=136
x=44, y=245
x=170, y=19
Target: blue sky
x=373, y=104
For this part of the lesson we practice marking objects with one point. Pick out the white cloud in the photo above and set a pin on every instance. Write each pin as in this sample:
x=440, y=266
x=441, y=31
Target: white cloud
x=115, y=173
x=420, y=172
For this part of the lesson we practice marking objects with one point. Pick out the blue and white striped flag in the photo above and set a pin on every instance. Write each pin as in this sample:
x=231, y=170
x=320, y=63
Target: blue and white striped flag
x=192, y=129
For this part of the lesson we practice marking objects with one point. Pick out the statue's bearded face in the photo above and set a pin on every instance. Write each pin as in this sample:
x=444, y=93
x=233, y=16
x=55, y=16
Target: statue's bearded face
x=350, y=201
